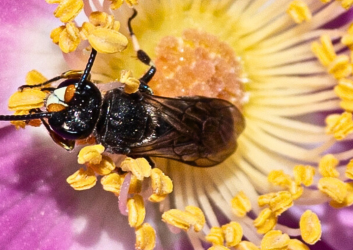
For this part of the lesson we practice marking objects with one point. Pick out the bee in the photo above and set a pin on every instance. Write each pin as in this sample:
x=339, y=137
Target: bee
x=196, y=130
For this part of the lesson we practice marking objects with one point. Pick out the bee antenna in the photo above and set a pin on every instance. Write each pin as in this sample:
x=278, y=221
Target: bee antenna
x=87, y=70
x=25, y=117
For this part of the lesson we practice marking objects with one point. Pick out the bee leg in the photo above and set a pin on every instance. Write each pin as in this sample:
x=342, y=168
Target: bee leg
x=143, y=57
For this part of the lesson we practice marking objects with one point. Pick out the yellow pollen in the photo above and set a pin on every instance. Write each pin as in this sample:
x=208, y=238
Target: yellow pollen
x=246, y=245
x=27, y=99
x=334, y=188
x=135, y=185
x=310, y=227
x=347, y=40
x=233, y=233
x=131, y=84
x=131, y=2
x=348, y=200
x=136, y=211
x=34, y=77
x=161, y=184
x=192, y=216
x=112, y=183
x=138, y=167
x=265, y=199
x=218, y=247
x=327, y=166
x=198, y=64
x=340, y=67
x=295, y=244
x=240, y=204
x=339, y=125
x=349, y=170
x=324, y=51
x=281, y=202
x=265, y=221
x=55, y=34
x=91, y=154
x=279, y=178
x=116, y=4
x=104, y=167
x=145, y=237
x=299, y=11
x=295, y=190
x=215, y=236
x=82, y=179
x=347, y=4
x=69, y=38
x=274, y=240
x=344, y=90
x=67, y=9
x=107, y=41
x=304, y=175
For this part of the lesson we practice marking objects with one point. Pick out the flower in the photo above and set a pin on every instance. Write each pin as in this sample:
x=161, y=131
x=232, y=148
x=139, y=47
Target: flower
x=281, y=88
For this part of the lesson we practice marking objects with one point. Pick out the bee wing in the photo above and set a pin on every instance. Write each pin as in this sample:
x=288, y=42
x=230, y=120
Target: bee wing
x=197, y=130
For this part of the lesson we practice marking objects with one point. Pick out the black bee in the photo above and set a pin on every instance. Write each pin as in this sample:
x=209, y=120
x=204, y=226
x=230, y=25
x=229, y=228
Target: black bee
x=196, y=130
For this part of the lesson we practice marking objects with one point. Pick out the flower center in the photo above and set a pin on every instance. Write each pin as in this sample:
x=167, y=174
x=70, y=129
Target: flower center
x=198, y=63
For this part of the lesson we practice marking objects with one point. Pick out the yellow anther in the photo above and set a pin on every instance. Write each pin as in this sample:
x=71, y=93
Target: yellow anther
x=192, y=216
x=233, y=232
x=275, y=240
x=112, y=183
x=136, y=211
x=161, y=184
x=68, y=10
x=349, y=170
x=304, y=175
x=265, y=221
x=327, y=166
x=91, y=154
x=295, y=244
x=34, y=77
x=138, y=167
x=131, y=84
x=82, y=179
x=105, y=166
x=334, y=188
x=348, y=200
x=27, y=99
x=339, y=125
x=69, y=38
x=102, y=19
x=22, y=124
x=347, y=40
x=344, y=90
x=324, y=51
x=281, y=202
x=135, y=185
x=279, y=178
x=347, y=4
x=55, y=34
x=240, y=204
x=218, y=247
x=325, y=1
x=340, y=67
x=145, y=237
x=295, y=190
x=107, y=41
x=265, y=199
x=53, y=1
x=310, y=227
x=116, y=4
x=299, y=11
x=86, y=29
x=215, y=236
x=246, y=245
x=131, y=2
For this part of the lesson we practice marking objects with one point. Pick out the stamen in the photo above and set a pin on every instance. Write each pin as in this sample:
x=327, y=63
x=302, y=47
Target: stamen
x=136, y=211
x=131, y=84
x=104, y=167
x=304, y=175
x=55, y=34
x=340, y=67
x=299, y=11
x=233, y=233
x=265, y=221
x=112, y=183
x=240, y=204
x=145, y=237
x=327, y=166
x=192, y=216
x=138, y=167
x=334, y=188
x=310, y=227
x=340, y=126
x=295, y=244
x=215, y=236
x=34, y=77
x=67, y=9
x=162, y=185
x=27, y=99
x=281, y=202
x=247, y=245
x=324, y=51
x=82, y=179
x=274, y=240
x=107, y=41
x=348, y=200
x=349, y=170
x=91, y=154
x=344, y=90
